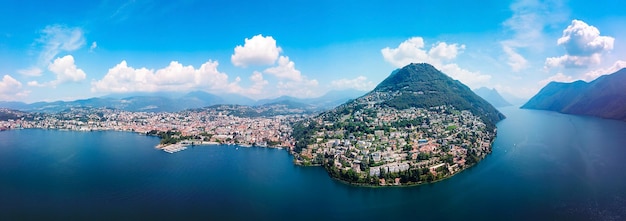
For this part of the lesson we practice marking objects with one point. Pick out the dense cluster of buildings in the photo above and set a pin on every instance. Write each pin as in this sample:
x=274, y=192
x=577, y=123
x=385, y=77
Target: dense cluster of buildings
x=208, y=125
x=366, y=139
x=441, y=139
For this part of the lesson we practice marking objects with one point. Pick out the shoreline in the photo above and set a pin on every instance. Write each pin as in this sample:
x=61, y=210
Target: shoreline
x=367, y=185
x=180, y=146
x=401, y=185
x=212, y=143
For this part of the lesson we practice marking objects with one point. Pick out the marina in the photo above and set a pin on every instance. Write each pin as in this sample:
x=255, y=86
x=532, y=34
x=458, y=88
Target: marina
x=174, y=148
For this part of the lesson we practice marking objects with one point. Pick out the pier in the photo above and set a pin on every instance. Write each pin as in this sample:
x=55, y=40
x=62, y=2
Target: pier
x=174, y=148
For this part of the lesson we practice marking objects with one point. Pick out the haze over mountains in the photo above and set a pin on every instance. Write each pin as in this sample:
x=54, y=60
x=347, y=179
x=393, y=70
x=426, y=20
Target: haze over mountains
x=172, y=102
x=604, y=97
x=492, y=96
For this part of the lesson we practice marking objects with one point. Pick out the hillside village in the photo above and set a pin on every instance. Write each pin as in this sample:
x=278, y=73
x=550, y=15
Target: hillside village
x=370, y=144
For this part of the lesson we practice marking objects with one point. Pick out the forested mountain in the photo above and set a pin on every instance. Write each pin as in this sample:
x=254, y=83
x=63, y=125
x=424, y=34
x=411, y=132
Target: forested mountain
x=604, y=97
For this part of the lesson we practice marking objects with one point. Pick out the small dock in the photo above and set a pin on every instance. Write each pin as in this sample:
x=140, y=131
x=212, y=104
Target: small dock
x=174, y=148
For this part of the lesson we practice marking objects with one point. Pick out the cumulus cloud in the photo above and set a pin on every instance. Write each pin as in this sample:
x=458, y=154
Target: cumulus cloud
x=469, y=78
x=303, y=88
x=359, y=83
x=559, y=77
x=65, y=71
x=285, y=69
x=583, y=45
x=174, y=77
x=258, y=84
x=570, y=61
x=588, y=76
x=54, y=40
x=529, y=19
x=592, y=75
x=581, y=39
x=258, y=50
x=11, y=89
x=440, y=55
x=445, y=51
x=291, y=81
x=407, y=52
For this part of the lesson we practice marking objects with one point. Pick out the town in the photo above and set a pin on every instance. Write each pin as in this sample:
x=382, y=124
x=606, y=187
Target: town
x=366, y=143
x=216, y=125
x=362, y=143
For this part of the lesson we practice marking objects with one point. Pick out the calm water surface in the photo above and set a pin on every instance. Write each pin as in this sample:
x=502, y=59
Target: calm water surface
x=544, y=165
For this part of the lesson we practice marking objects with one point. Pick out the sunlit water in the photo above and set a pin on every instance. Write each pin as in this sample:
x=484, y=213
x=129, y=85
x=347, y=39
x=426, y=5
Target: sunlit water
x=544, y=165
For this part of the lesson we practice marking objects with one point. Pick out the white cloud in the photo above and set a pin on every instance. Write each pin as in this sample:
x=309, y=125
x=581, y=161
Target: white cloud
x=258, y=84
x=580, y=39
x=33, y=72
x=529, y=19
x=583, y=46
x=570, y=61
x=559, y=77
x=65, y=71
x=11, y=89
x=359, y=83
x=58, y=38
x=174, y=77
x=516, y=60
x=444, y=51
x=303, y=88
x=592, y=75
x=285, y=69
x=93, y=46
x=471, y=79
x=407, y=52
x=291, y=81
x=54, y=40
x=526, y=27
x=413, y=51
x=258, y=50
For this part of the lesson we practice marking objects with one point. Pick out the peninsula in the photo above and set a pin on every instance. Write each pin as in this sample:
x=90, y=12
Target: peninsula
x=417, y=126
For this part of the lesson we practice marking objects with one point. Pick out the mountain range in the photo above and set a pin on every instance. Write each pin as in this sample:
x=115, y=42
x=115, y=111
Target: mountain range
x=603, y=97
x=172, y=102
x=492, y=96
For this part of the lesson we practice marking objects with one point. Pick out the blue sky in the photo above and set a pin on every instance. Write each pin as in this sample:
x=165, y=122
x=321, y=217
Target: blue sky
x=66, y=50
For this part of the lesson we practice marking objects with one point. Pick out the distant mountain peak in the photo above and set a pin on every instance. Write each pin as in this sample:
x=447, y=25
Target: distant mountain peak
x=492, y=96
x=415, y=76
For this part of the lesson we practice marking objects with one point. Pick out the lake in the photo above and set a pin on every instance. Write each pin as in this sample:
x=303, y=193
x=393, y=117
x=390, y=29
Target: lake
x=544, y=165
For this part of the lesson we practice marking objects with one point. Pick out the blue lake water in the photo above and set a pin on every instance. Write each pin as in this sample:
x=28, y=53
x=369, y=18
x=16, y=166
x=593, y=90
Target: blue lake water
x=544, y=165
